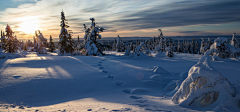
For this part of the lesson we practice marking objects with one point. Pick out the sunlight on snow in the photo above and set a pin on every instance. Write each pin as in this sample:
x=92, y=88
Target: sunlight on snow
x=85, y=63
x=61, y=72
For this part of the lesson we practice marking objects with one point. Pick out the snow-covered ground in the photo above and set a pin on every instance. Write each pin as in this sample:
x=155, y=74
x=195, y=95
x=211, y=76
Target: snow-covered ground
x=99, y=83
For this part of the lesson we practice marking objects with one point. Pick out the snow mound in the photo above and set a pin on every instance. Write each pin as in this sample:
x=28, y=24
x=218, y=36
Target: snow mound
x=204, y=86
x=159, y=78
x=8, y=55
x=160, y=70
x=160, y=54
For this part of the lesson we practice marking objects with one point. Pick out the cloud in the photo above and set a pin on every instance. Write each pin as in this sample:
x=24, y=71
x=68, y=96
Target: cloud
x=184, y=14
x=123, y=15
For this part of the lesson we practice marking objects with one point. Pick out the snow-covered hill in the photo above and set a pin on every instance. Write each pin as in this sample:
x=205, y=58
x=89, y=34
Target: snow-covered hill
x=100, y=83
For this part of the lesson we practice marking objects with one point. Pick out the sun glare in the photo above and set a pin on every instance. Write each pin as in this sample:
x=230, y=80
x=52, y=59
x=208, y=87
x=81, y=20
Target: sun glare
x=29, y=26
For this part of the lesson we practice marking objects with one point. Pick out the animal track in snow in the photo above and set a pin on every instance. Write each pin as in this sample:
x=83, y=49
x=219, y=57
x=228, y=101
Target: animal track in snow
x=111, y=76
x=135, y=97
x=118, y=83
x=104, y=71
x=141, y=101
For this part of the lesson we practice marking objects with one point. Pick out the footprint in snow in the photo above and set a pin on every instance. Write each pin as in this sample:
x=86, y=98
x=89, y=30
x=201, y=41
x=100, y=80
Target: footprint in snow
x=104, y=71
x=141, y=101
x=111, y=76
x=16, y=76
x=126, y=90
x=101, y=67
x=118, y=83
x=122, y=110
x=140, y=105
x=99, y=62
x=135, y=97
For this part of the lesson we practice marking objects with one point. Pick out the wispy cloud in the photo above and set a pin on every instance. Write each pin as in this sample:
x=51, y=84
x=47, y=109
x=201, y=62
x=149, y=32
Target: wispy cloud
x=123, y=16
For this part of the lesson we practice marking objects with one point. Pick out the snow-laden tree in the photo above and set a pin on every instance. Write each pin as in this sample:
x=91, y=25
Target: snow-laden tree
x=120, y=45
x=78, y=45
x=25, y=46
x=209, y=43
x=141, y=50
x=3, y=41
x=192, y=46
x=234, y=41
x=203, y=47
x=169, y=52
x=65, y=38
x=196, y=47
x=204, y=86
x=162, y=44
x=222, y=49
x=40, y=43
x=179, y=47
x=51, y=44
x=92, y=34
x=11, y=46
x=114, y=45
x=174, y=46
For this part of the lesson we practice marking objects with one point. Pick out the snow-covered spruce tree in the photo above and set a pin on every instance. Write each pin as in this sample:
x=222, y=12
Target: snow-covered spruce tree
x=92, y=45
x=25, y=46
x=222, y=49
x=51, y=44
x=114, y=45
x=169, y=50
x=196, y=48
x=11, y=46
x=79, y=45
x=3, y=41
x=192, y=46
x=234, y=41
x=65, y=39
x=203, y=47
x=209, y=43
x=161, y=46
x=174, y=46
x=120, y=45
x=40, y=43
x=179, y=47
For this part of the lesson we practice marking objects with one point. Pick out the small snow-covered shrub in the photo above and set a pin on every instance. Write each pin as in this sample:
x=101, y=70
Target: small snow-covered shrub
x=169, y=52
x=42, y=50
x=222, y=48
x=127, y=52
x=204, y=86
x=142, y=50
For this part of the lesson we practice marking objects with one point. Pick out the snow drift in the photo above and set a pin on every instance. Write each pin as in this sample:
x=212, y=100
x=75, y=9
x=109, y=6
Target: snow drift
x=204, y=86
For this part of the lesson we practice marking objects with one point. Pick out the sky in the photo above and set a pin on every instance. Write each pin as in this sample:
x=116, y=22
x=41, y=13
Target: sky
x=126, y=18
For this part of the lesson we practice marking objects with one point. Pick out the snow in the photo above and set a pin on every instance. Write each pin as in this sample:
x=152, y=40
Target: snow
x=48, y=82
x=204, y=86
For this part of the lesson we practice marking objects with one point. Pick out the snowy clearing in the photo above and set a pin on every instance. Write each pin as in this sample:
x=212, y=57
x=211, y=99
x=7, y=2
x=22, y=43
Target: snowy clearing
x=114, y=82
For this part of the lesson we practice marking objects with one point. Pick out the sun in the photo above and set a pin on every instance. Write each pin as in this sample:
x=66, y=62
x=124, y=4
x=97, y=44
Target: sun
x=29, y=26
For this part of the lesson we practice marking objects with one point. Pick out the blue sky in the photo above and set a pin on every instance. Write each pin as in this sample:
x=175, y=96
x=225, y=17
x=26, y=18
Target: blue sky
x=123, y=17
